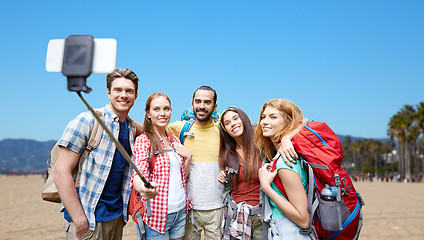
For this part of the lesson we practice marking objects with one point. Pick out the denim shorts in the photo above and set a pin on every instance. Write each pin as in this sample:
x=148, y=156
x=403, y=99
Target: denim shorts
x=174, y=228
x=284, y=228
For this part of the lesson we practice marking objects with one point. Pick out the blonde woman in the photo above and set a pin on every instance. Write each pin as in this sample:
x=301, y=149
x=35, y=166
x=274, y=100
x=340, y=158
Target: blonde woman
x=289, y=215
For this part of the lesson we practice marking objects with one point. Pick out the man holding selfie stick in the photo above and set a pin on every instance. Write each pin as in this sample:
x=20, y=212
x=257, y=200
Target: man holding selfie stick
x=98, y=208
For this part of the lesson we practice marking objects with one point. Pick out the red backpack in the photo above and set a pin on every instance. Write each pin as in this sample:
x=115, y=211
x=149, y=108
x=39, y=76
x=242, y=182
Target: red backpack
x=135, y=206
x=321, y=152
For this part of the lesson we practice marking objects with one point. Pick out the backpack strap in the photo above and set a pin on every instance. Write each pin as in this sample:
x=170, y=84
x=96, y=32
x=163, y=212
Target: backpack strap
x=152, y=160
x=266, y=206
x=361, y=201
x=228, y=203
x=231, y=207
x=311, y=182
x=185, y=130
x=93, y=143
x=313, y=201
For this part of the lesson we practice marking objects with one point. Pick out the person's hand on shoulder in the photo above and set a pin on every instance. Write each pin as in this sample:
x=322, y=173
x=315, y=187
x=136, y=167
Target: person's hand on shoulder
x=286, y=151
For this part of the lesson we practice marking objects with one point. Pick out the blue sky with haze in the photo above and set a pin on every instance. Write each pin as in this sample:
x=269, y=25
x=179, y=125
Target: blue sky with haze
x=352, y=64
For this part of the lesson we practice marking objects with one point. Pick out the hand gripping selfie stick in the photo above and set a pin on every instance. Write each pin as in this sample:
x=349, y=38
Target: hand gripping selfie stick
x=79, y=53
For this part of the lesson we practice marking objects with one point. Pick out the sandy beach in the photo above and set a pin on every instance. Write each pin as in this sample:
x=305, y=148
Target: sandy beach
x=392, y=211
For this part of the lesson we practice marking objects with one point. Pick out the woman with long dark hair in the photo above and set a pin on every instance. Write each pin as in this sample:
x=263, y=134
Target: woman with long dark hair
x=239, y=160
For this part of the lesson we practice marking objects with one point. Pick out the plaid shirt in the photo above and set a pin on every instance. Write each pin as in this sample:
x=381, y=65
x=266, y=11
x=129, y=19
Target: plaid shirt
x=160, y=175
x=97, y=165
x=241, y=224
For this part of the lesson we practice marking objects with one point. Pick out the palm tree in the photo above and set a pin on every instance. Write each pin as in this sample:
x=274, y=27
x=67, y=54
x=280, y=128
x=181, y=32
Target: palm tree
x=420, y=153
x=412, y=137
x=347, y=153
x=420, y=117
x=387, y=150
x=420, y=141
x=375, y=149
x=356, y=148
x=397, y=136
x=402, y=126
x=409, y=115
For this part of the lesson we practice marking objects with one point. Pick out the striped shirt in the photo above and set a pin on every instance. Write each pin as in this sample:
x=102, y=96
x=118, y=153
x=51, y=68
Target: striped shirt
x=96, y=167
x=160, y=175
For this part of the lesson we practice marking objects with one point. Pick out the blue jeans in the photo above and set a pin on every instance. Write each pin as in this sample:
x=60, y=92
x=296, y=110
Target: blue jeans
x=174, y=228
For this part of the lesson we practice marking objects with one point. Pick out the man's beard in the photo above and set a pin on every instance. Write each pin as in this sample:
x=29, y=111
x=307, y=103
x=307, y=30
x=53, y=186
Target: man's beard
x=205, y=118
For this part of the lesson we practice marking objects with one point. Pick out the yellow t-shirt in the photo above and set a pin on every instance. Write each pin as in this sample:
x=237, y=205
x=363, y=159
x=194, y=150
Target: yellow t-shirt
x=203, y=189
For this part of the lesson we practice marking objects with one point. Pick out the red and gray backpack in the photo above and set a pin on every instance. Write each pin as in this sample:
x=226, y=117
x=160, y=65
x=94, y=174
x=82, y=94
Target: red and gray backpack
x=321, y=152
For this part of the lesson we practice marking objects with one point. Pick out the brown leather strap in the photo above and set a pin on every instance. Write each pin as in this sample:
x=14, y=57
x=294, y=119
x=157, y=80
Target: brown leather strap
x=93, y=143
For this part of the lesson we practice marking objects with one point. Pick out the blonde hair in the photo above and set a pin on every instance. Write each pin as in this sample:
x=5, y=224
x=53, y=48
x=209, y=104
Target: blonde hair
x=292, y=117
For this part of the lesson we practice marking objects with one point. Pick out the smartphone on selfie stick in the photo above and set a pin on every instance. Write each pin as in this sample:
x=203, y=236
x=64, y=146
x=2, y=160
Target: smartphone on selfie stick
x=77, y=57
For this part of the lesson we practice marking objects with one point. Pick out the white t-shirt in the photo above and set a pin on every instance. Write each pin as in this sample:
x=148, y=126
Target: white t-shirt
x=176, y=198
x=203, y=188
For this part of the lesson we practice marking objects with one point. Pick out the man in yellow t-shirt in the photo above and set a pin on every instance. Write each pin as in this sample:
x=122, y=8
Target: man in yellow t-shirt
x=203, y=189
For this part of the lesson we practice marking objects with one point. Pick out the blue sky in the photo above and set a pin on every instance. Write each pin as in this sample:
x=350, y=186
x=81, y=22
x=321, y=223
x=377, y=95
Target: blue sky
x=352, y=64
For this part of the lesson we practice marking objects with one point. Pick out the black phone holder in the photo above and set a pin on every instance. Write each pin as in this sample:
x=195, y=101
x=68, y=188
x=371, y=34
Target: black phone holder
x=78, y=61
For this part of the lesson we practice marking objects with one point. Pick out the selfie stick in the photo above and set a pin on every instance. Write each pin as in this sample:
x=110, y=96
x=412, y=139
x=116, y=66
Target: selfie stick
x=77, y=64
